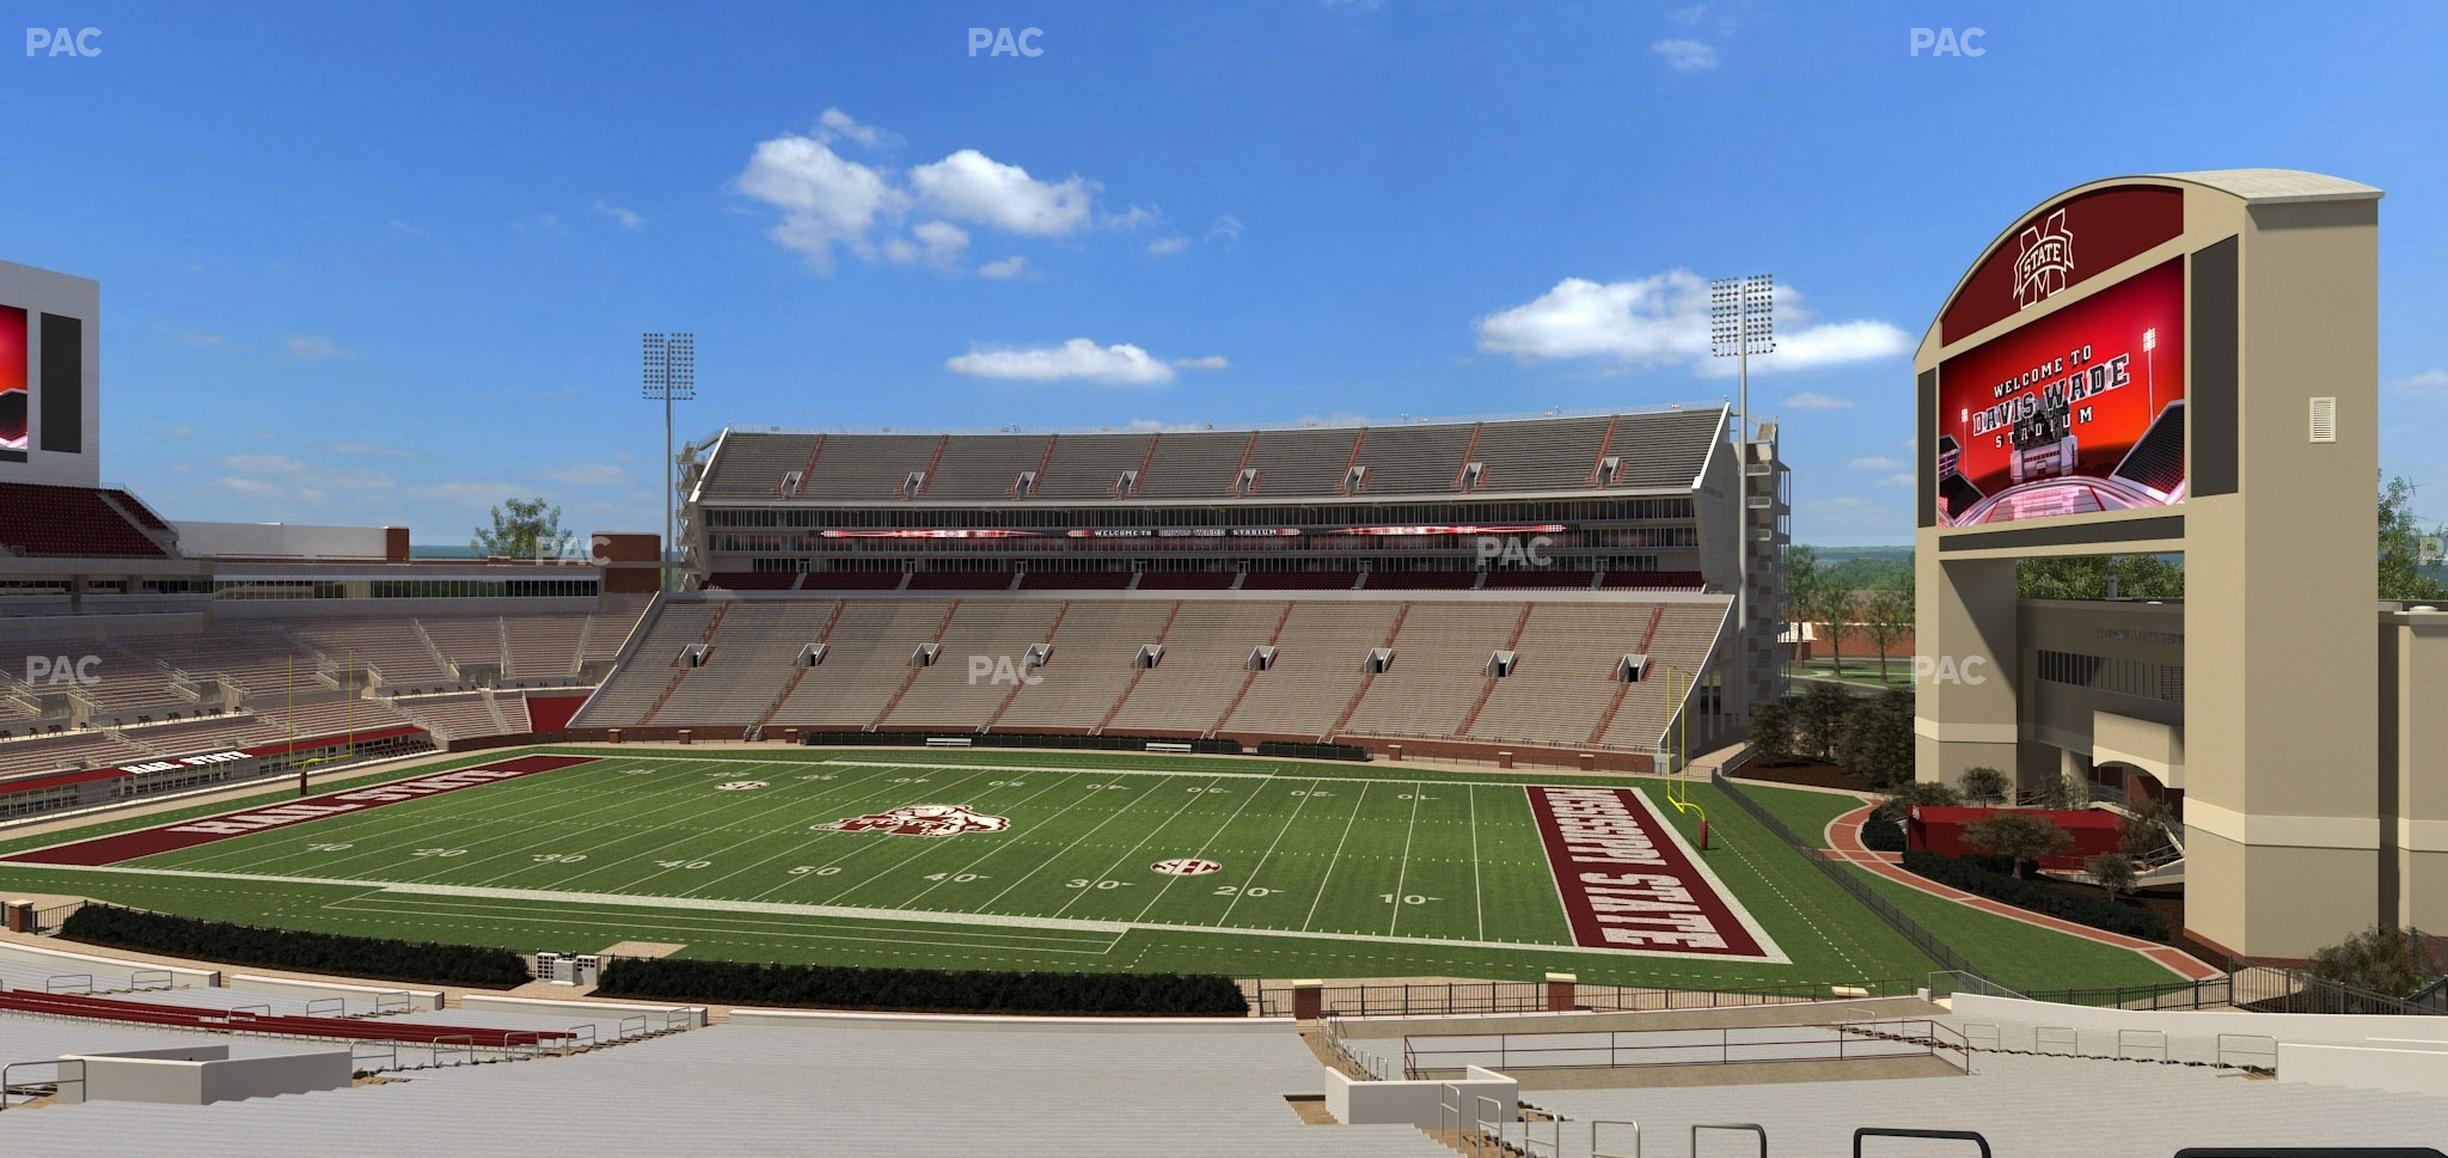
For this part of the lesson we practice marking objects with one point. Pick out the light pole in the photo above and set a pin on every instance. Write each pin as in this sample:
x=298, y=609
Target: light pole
x=1742, y=322
x=670, y=375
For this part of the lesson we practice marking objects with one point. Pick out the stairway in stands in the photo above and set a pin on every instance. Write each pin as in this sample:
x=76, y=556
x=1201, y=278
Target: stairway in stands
x=1624, y=687
x=713, y=625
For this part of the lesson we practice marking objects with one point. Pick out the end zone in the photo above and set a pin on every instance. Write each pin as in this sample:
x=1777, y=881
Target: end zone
x=122, y=846
x=1628, y=881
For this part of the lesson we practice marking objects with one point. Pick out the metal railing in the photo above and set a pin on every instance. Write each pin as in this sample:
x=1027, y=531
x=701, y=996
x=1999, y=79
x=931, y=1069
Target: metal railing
x=1841, y=872
x=2252, y=988
x=59, y=1077
x=1452, y=998
x=1425, y=1054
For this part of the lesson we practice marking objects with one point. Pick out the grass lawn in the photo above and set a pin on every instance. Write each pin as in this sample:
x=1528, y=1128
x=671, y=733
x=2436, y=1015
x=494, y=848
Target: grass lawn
x=1806, y=813
x=1862, y=670
x=1091, y=861
x=2019, y=956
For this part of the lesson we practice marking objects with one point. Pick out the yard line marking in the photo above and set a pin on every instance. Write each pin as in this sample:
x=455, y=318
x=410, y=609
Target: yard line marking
x=1471, y=793
x=1403, y=872
x=1306, y=797
x=923, y=847
x=1335, y=860
x=1201, y=850
x=242, y=850
x=856, y=849
x=684, y=799
x=783, y=802
x=1125, y=858
x=1074, y=924
x=1066, y=849
x=999, y=943
x=989, y=854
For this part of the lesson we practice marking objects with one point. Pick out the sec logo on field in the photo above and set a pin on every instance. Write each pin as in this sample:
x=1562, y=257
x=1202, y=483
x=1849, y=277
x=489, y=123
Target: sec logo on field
x=1185, y=867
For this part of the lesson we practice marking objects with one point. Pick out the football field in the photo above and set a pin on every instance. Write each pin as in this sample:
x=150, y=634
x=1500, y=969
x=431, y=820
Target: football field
x=1015, y=859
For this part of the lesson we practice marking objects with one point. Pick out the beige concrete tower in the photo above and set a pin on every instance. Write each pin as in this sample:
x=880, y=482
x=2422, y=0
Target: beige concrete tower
x=2179, y=363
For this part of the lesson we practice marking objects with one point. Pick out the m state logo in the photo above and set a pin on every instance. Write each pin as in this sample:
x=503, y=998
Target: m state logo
x=921, y=820
x=1186, y=867
x=740, y=786
x=2044, y=262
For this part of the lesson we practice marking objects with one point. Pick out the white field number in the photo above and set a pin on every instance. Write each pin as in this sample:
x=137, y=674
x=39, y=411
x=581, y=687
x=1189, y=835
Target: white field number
x=439, y=852
x=329, y=847
x=685, y=864
x=955, y=878
x=1239, y=891
x=811, y=870
x=558, y=857
x=1085, y=883
x=1408, y=899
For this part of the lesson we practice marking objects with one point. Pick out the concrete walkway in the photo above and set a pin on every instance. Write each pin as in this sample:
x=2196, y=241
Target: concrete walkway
x=1844, y=840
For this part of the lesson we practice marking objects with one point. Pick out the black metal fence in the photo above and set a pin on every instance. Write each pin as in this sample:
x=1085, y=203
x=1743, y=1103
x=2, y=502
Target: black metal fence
x=1840, y=871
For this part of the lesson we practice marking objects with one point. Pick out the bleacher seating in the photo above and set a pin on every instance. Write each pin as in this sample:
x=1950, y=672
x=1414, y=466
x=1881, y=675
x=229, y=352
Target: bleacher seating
x=1193, y=465
x=1561, y=687
x=983, y=467
x=1410, y=460
x=1299, y=580
x=1086, y=466
x=36, y=519
x=123, y=1009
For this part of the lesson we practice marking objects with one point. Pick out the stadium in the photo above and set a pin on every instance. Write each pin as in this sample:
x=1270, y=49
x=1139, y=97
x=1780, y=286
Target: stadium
x=1296, y=786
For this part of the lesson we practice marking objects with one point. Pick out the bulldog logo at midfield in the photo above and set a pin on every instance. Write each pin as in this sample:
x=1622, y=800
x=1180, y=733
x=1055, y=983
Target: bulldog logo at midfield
x=921, y=820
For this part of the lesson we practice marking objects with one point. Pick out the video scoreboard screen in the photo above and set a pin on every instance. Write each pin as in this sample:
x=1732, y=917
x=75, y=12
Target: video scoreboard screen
x=16, y=401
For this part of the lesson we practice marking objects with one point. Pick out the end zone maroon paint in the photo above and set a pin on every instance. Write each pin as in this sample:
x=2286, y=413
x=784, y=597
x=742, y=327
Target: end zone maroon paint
x=1626, y=883
x=205, y=830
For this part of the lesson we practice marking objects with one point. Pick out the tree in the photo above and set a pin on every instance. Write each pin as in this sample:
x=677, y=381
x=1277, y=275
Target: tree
x=523, y=529
x=1819, y=718
x=1772, y=730
x=2383, y=959
x=2020, y=835
x=2147, y=830
x=1887, y=614
x=2401, y=547
x=2057, y=793
x=1877, y=743
x=1803, y=579
x=2114, y=873
x=2087, y=576
x=1835, y=606
x=1912, y=794
x=1985, y=786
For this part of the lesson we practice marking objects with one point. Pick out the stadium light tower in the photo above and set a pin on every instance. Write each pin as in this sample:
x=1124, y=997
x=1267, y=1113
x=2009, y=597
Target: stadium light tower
x=1742, y=322
x=670, y=376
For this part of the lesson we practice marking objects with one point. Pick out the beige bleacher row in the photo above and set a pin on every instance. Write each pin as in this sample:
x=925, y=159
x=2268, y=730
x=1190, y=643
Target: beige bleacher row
x=457, y=716
x=137, y=679
x=1561, y=690
x=1660, y=449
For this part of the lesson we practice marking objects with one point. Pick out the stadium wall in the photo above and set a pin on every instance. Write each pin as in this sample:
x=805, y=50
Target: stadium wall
x=58, y=366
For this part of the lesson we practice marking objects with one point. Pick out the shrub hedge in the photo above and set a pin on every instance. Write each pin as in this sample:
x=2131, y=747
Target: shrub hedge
x=933, y=990
x=382, y=957
x=1988, y=877
x=1882, y=835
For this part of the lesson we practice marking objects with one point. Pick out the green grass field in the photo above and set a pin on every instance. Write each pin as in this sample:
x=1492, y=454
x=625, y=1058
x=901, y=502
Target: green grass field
x=1335, y=870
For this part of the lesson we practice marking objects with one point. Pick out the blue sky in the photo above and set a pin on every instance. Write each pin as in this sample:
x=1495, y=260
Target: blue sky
x=387, y=263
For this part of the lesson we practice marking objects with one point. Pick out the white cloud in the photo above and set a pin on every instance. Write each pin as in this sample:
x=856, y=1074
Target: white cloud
x=252, y=486
x=1664, y=320
x=263, y=464
x=1009, y=267
x=1226, y=229
x=938, y=243
x=1168, y=245
x=178, y=432
x=312, y=349
x=1809, y=400
x=629, y=218
x=1078, y=359
x=1897, y=480
x=1135, y=217
x=834, y=123
x=399, y=226
x=2432, y=382
x=1686, y=55
x=971, y=186
x=1207, y=362
x=1875, y=462
x=364, y=448
x=825, y=200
